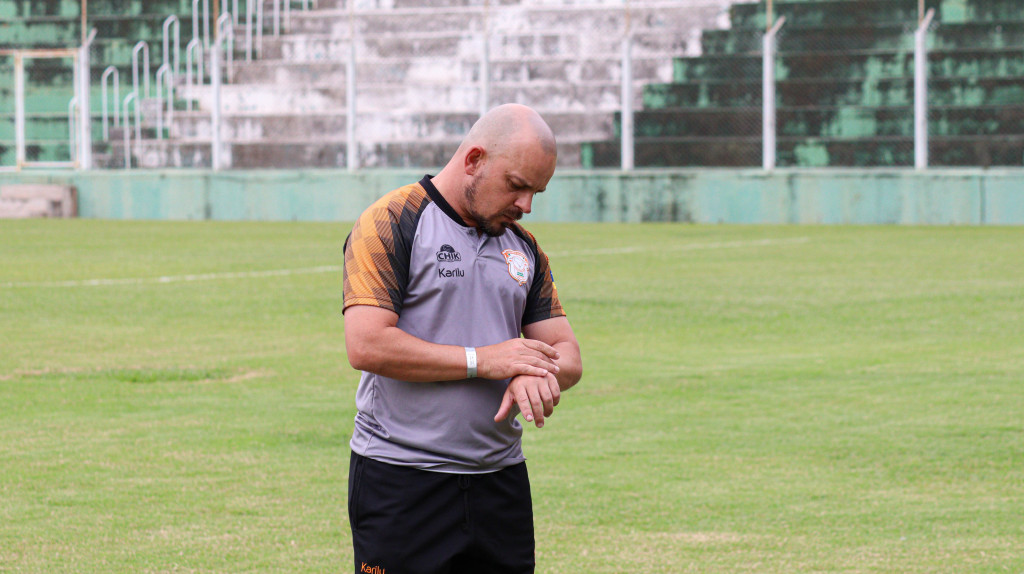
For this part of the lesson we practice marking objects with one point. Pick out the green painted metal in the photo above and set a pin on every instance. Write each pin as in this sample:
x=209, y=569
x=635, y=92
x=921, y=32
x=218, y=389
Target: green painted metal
x=831, y=196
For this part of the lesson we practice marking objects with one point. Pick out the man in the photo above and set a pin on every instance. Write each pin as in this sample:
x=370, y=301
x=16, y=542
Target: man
x=440, y=282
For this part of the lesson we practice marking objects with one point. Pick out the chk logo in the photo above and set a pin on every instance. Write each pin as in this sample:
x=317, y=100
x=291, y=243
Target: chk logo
x=448, y=254
x=371, y=569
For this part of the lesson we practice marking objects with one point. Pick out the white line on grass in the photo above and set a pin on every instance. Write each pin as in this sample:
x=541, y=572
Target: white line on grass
x=337, y=268
x=180, y=278
x=678, y=247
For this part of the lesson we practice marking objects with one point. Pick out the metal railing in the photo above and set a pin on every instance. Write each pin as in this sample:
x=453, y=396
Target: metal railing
x=206, y=72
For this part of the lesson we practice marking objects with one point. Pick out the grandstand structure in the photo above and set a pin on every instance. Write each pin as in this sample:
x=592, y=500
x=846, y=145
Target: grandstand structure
x=286, y=99
x=845, y=89
x=396, y=83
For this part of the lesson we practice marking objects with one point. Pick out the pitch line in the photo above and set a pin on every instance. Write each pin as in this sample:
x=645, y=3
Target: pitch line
x=680, y=247
x=337, y=268
x=180, y=278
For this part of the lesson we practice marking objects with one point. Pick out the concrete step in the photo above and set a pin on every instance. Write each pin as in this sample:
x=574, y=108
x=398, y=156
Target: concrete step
x=862, y=13
x=15, y=9
x=851, y=65
x=394, y=127
x=274, y=99
x=888, y=37
x=836, y=122
x=400, y=71
x=588, y=23
x=53, y=31
x=818, y=152
x=464, y=44
x=293, y=155
x=814, y=13
x=269, y=99
x=37, y=151
x=810, y=92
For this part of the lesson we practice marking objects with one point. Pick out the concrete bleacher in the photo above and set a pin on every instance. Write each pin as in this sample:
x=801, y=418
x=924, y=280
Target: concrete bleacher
x=57, y=24
x=418, y=75
x=844, y=88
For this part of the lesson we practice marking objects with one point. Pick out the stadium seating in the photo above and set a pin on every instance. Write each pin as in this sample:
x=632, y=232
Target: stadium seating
x=418, y=74
x=845, y=89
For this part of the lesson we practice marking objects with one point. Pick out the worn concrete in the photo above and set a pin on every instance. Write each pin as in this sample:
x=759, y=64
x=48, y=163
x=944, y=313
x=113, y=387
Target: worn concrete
x=884, y=196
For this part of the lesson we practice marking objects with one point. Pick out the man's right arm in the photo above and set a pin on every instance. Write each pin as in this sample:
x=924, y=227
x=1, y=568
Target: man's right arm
x=375, y=344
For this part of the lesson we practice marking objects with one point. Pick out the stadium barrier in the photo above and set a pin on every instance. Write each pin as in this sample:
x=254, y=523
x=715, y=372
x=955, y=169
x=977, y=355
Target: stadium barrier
x=751, y=196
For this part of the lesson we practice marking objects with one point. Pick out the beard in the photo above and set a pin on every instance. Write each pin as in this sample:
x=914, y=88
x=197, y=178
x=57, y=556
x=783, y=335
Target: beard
x=493, y=225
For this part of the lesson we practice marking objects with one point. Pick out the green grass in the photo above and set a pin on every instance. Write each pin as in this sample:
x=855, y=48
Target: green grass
x=755, y=399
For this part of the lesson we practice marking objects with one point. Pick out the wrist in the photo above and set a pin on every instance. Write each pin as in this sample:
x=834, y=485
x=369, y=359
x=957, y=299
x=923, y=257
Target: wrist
x=471, y=370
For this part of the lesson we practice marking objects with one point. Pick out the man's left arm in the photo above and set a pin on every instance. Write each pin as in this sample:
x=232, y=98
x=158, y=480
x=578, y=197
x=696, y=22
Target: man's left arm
x=537, y=397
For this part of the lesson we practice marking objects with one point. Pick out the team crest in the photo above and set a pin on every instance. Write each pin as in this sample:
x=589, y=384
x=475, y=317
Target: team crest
x=518, y=265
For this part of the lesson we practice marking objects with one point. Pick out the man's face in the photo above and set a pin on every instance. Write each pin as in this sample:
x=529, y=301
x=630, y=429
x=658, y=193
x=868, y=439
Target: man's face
x=501, y=192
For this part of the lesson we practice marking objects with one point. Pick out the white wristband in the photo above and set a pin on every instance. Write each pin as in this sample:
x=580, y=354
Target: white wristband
x=470, y=363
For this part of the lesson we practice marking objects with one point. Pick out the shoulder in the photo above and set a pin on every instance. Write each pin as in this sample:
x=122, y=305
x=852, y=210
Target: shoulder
x=530, y=242
x=395, y=204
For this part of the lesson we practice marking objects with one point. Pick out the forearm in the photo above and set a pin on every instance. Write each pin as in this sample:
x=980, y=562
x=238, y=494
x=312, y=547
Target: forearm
x=375, y=344
x=395, y=354
x=570, y=364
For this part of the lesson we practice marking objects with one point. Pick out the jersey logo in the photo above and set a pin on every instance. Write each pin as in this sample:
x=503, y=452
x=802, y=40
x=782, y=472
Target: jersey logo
x=447, y=254
x=518, y=265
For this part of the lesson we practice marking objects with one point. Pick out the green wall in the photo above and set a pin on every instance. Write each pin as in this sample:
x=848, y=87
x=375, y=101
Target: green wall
x=827, y=196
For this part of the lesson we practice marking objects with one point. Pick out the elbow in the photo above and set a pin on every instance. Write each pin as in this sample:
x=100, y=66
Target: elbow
x=573, y=371
x=361, y=356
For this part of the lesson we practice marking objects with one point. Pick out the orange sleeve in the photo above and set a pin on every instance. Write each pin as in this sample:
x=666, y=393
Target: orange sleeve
x=378, y=249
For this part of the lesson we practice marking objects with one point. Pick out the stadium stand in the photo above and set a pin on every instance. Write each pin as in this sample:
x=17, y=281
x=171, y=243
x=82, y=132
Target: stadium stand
x=418, y=74
x=845, y=89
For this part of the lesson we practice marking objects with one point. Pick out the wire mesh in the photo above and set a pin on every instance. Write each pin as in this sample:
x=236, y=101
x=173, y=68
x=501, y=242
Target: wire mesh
x=396, y=83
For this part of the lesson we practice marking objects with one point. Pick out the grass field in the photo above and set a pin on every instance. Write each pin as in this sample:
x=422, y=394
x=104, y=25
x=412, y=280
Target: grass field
x=755, y=399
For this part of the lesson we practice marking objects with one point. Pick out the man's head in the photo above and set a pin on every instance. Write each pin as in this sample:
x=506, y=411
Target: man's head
x=506, y=158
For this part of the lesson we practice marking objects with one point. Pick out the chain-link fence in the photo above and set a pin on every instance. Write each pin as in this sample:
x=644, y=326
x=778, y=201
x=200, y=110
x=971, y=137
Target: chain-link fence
x=644, y=83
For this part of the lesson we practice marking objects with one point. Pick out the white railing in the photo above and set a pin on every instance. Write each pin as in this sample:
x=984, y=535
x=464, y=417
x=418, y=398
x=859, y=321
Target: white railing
x=141, y=46
x=193, y=54
x=110, y=71
x=172, y=54
x=164, y=76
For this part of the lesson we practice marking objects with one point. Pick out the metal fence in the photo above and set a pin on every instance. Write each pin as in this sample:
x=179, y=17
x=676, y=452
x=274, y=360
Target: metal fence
x=290, y=83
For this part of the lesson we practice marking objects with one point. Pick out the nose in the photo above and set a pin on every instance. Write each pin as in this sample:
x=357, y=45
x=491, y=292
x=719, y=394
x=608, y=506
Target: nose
x=524, y=202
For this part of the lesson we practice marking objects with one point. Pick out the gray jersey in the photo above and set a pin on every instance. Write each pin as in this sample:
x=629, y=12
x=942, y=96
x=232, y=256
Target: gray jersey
x=411, y=253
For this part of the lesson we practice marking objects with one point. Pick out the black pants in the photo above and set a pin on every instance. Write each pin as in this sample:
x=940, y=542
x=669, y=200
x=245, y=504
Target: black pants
x=406, y=520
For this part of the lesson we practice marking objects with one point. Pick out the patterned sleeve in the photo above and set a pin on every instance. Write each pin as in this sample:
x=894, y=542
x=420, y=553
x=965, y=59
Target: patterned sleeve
x=378, y=249
x=542, y=302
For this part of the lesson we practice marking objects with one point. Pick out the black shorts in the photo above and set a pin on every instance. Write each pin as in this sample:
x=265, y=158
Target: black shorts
x=405, y=520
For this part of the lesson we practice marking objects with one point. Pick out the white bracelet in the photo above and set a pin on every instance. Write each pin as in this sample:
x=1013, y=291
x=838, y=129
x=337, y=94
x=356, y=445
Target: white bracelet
x=470, y=363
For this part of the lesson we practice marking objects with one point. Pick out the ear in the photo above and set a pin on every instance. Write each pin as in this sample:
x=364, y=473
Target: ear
x=475, y=158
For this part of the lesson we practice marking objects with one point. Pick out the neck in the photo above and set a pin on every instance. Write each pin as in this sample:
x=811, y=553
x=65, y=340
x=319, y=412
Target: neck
x=451, y=189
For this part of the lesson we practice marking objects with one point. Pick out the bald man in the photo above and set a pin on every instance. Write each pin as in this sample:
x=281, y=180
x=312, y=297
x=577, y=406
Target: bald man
x=452, y=315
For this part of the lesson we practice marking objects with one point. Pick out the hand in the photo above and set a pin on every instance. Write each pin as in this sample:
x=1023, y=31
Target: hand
x=516, y=357
x=537, y=398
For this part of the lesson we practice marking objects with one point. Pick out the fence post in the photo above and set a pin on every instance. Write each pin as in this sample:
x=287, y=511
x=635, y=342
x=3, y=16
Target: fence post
x=85, y=109
x=627, y=102
x=128, y=130
x=768, y=95
x=485, y=62
x=19, y=110
x=351, y=147
x=921, y=91
x=72, y=128
x=215, y=153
